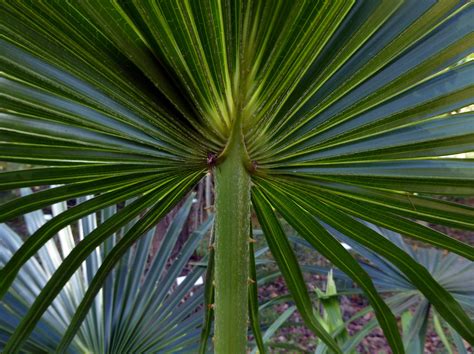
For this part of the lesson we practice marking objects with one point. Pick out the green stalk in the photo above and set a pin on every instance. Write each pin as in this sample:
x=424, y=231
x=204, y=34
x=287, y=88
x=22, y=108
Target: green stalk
x=231, y=247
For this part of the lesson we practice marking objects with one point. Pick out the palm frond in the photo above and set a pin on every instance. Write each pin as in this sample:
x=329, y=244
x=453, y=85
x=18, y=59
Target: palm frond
x=348, y=102
x=136, y=307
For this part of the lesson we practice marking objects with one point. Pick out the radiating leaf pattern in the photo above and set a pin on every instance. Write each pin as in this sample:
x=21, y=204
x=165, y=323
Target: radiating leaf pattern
x=452, y=272
x=127, y=311
x=348, y=102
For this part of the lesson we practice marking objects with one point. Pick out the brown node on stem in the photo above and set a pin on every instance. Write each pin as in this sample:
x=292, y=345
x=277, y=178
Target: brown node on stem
x=211, y=159
x=254, y=165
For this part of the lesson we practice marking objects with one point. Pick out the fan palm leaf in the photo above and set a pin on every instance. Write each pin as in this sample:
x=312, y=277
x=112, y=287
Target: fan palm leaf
x=451, y=271
x=135, y=300
x=329, y=109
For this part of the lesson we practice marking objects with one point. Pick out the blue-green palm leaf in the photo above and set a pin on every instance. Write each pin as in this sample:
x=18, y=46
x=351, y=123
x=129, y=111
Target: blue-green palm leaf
x=341, y=100
x=139, y=307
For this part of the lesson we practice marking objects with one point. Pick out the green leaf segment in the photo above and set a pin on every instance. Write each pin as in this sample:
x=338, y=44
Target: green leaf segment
x=317, y=112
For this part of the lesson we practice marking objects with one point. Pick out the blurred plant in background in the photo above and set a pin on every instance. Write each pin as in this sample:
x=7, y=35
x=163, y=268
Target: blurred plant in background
x=139, y=308
x=417, y=314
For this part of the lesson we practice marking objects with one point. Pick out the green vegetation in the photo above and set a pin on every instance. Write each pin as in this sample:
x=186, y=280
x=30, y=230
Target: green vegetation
x=325, y=113
x=138, y=307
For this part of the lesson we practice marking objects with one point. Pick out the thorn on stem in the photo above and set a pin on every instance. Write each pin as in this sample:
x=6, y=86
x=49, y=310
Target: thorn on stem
x=250, y=281
x=252, y=240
